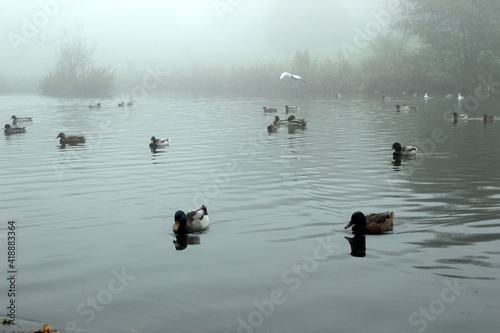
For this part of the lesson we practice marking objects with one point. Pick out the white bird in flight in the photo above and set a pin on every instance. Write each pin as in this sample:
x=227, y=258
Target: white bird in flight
x=291, y=76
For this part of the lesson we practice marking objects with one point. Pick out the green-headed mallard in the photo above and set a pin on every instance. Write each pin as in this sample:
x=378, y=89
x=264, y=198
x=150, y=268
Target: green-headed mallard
x=158, y=143
x=294, y=122
x=459, y=116
x=13, y=129
x=20, y=119
x=269, y=109
x=69, y=140
x=488, y=118
x=371, y=224
x=195, y=220
x=403, y=150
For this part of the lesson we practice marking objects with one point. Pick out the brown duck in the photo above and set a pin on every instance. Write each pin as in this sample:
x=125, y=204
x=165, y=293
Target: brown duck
x=68, y=140
x=371, y=224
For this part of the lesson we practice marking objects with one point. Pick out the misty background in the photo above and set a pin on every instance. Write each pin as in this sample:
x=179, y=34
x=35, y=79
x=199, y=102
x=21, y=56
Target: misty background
x=174, y=35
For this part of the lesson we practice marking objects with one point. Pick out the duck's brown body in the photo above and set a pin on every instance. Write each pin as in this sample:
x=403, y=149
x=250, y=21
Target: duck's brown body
x=68, y=140
x=371, y=224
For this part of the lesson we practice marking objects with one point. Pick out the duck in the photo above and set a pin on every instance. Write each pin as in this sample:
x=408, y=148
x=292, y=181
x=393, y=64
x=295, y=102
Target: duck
x=372, y=224
x=415, y=95
x=272, y=128
x=386, y=99
x=193, y=221
x=72, y=139
x=460, y=97
x=13, y=129
x=121, y=105
x=403, y=150
x=158, y=143
x=461, y=116
x=294, y=122
x=269, y=109
x=427, y=97
x=405, y=107
x=130, y=103
x=488, y=118
x=291, y=108
x=96, y=106
x=278, y=121
x=20, y=119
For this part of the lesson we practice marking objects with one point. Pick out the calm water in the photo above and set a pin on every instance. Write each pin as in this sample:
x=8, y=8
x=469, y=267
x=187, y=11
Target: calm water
x=96, y=252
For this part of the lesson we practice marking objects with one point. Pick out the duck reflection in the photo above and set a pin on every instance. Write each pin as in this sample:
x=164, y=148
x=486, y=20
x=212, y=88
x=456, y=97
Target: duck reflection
x=182, y=241
x=358, y=245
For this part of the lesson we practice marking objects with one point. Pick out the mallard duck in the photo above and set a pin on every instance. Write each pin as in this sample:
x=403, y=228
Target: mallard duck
x=68, y=140
x=403, y=150
x=405, y=107
x=20, y=119
x=291, y=108
x=195, y=220
x=13, y=129
x=273, y=128
x=460, y=97
x=121, y=105
x=426, y=96
x=371, y=224
x=158, y=143
x=278, y=121
x=96, y=106
x=488, y=118
x=130, y=103
x=294, y=122
x=461, y=116
x=269, y=109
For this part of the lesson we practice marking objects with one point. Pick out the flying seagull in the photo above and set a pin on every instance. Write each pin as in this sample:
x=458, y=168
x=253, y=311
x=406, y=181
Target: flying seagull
x=291, y=76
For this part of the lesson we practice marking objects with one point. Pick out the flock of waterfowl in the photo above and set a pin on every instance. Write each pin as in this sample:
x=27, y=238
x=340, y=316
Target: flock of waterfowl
x=198, y=220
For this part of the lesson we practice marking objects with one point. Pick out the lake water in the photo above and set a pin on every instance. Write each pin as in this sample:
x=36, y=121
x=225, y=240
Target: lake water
x=95, y=251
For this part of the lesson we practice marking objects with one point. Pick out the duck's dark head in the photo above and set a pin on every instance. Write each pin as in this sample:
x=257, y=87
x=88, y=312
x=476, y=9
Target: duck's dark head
x=398, y=107
x=358, y=219
x=396, y=146
x=290, y=118
x=61, y=135
x=455, y=115
x=180, y=221
x=7, y=126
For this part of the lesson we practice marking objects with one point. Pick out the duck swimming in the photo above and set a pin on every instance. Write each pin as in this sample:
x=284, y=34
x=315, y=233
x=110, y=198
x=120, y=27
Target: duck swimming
x=371, y=224
x=96, y=106
x=293, y=122
x=13, y=129
x=269, y=109
x=130, y=103
x=68, y=140
x=121, y=105
x=291, y=108
x=405, y=107
x=461, y=116
x=273, y=128
x=195, y=220
x=403, y=150
x=158, y=143
x=488, y=118
x=20, y=119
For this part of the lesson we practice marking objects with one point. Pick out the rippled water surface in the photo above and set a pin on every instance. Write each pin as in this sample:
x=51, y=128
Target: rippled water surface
x=95, y=251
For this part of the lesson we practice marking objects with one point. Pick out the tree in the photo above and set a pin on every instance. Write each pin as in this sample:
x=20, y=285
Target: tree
x=461, y=37
x=75, y=74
